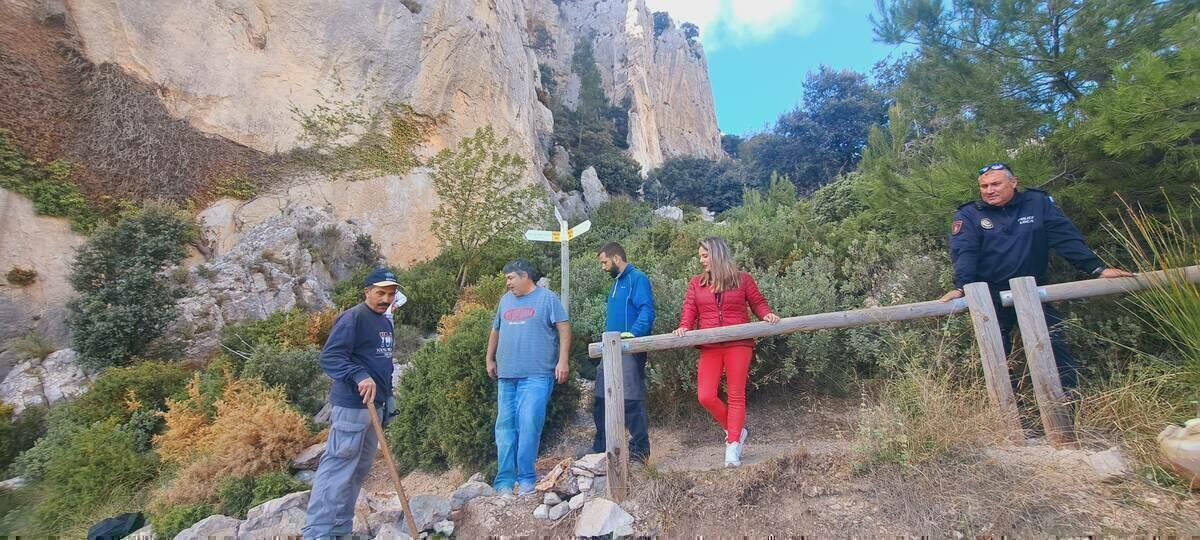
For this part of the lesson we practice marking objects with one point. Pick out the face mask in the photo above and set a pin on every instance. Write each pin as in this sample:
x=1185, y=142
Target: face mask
x=613, y=271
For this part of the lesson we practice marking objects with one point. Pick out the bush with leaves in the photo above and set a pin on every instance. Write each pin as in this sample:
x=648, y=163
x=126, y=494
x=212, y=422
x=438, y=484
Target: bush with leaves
x=297, y=372
x=124, y=301
x=147, y=385
x=97, y=466
x=447, y=403
x=171, y=522
x=19, y=432
x=251, y=429
x=482, y=198
x=49, y=186
x=717, y=185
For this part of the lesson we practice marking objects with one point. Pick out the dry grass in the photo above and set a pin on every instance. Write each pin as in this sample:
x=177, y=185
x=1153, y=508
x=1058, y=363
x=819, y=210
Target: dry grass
x=1133, y=408
x=31, y=346
x=254, y=431
x=925, y=415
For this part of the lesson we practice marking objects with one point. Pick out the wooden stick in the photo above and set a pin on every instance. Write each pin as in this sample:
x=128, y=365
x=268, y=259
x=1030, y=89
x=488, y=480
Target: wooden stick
x=616, y=447
x=387, y=456
x=1039, y=355
x=995, y=362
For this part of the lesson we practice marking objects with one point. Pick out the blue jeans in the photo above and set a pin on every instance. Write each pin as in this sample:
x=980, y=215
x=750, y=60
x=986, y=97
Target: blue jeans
x=520, y=414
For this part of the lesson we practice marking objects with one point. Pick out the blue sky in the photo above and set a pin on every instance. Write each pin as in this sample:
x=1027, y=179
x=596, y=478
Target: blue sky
x=759, y=50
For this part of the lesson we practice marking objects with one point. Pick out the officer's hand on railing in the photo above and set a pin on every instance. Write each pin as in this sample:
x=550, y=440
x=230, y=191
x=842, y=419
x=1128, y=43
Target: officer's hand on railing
x=956, y=293
x=680, y=331
x=1114, y=273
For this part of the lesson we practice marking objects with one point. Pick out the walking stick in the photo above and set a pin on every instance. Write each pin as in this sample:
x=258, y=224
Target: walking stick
x=387, y=456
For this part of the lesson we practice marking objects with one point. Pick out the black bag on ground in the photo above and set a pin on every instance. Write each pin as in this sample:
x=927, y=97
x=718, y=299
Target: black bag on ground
x=116, y=528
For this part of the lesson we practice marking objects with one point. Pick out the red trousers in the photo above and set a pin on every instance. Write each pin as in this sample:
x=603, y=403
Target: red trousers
x=735, y=362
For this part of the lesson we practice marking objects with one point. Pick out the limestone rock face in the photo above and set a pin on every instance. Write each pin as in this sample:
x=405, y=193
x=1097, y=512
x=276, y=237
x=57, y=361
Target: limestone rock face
x=291, y=259
x=395, y=211
x=47, y=246
x=594, y=193
x=236, y=68
x=45, y=381
x=211, y=527
x=278, y=518
x=663, y=78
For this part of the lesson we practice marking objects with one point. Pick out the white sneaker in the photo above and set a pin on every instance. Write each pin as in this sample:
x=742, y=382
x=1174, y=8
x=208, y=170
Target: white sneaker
x=733, y=454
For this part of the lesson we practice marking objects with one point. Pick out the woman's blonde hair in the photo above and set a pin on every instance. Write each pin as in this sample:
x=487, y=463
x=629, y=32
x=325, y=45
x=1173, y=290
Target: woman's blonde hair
x=722, y=274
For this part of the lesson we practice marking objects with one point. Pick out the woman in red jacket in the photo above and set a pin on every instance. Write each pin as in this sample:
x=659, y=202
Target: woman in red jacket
x=718, y=297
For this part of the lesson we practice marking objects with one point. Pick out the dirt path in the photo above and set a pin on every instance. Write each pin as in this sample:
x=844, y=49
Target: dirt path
x=798, y=477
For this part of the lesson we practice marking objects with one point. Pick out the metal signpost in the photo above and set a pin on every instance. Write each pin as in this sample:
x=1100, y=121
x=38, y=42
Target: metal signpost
x=563, y=236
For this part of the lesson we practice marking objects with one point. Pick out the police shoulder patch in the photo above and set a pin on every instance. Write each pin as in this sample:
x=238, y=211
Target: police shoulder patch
x=956, y=228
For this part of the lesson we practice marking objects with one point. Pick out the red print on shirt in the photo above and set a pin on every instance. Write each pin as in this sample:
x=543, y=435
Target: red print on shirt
x=521, y=314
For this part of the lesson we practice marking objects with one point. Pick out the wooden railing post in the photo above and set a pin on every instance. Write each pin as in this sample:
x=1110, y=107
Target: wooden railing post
x=995, y=362
x=1039, y=355
x=616, y=447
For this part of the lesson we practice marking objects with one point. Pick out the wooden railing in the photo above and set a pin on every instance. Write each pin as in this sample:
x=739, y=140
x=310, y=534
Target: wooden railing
x=1025, y=295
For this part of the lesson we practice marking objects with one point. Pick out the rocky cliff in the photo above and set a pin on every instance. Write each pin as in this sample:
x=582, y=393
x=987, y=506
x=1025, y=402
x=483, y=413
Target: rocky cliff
x=238, y=70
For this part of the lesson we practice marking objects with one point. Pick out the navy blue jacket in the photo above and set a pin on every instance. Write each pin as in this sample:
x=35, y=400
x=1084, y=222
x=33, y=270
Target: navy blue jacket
x=359, y=346
x=630, y=304
x=993, y=244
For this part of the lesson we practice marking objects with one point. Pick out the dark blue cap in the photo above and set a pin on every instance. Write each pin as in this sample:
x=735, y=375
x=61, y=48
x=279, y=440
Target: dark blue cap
x=381, y=277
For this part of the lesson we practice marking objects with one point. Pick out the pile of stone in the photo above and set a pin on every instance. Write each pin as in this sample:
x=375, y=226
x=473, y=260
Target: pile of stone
x=579, y=486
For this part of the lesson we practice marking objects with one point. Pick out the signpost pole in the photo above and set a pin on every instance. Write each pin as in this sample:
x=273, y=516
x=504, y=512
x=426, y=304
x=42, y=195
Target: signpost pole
x=565, y=253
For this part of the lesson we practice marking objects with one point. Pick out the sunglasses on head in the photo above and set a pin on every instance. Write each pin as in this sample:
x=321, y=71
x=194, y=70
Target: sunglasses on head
x=995, y=167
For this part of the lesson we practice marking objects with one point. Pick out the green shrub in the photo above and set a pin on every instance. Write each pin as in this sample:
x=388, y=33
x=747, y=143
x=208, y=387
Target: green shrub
x=172, y=522
x=19, y=432
x=298, y=372
x=21, y=276
x=14, y=511
x=447, y=403
x=48, y=185
x=124, y=301
x=236, y=494
x=148, y=383
x=273, y=485
x=31, y=346
x=99, y=464
x=62, y=425
x=284, y=330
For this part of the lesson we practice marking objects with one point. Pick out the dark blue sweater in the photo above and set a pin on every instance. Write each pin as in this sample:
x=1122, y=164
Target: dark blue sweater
x=359, y=346
x=994, y=244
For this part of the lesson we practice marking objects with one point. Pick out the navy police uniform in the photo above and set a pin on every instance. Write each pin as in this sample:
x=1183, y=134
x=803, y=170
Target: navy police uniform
x=993, y=244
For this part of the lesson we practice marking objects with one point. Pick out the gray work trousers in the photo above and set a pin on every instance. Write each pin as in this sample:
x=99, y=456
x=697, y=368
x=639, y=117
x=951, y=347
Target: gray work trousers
x=341, y=473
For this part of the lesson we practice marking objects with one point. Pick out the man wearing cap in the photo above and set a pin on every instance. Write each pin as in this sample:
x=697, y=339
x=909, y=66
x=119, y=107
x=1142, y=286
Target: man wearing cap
x=358, y=357
x=526, y=353
x=1010, y=233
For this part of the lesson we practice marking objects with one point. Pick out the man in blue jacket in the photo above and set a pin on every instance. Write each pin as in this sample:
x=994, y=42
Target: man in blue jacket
x=1009, y=234
x=358, y=357
x=630, y=311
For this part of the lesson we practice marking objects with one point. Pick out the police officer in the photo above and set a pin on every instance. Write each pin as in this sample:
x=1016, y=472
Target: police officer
x=1010, y=234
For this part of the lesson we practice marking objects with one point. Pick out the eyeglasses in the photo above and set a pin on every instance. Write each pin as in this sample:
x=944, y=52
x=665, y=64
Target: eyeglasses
x=997, y=166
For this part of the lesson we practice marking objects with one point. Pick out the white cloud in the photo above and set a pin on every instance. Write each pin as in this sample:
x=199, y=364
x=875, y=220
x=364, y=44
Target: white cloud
x=736, y=22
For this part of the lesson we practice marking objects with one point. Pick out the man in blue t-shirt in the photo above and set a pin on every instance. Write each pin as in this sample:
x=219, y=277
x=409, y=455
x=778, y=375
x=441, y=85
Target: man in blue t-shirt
x=358, y=357
x=527, y=352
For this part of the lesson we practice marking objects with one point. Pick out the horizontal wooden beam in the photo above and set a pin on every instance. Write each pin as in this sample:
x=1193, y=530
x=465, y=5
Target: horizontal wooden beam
x=804, y=323
x=1089, y=288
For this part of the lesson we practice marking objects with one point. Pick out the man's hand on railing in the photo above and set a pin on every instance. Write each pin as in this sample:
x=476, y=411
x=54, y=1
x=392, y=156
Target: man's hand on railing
x=956, y=293
x=1114, y=273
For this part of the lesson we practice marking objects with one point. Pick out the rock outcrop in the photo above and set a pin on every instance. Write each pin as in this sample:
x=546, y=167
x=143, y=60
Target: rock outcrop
x=45, y=245
x=292, y=259
x=45, y=381
x=663, y=77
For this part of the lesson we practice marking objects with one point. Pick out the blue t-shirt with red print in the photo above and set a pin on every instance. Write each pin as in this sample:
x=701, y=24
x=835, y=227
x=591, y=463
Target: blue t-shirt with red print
x=528, y=344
